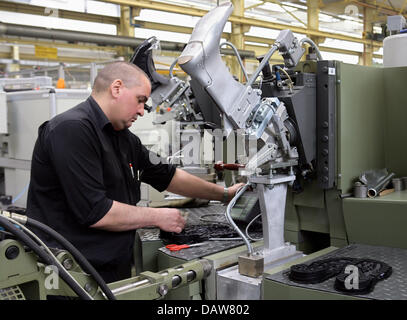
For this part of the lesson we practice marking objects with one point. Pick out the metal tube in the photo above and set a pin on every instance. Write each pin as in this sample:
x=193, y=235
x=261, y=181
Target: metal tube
x=375, y=190
x=312, y=43
x=230, y=220
x=74, y=36
x=237, y=56
x=176, y=279
x=265, y=60
x=130, y=286
x=172, y=68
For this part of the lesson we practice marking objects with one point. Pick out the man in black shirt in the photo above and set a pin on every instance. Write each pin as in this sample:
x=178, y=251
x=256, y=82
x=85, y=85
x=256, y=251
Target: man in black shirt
x=87, y=168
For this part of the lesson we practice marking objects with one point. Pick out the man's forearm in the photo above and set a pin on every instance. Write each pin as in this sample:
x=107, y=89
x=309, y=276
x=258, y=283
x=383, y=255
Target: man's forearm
x=124, y=217
x=188, y=185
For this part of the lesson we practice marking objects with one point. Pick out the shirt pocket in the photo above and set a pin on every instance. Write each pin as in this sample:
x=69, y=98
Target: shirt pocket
x=134, y=186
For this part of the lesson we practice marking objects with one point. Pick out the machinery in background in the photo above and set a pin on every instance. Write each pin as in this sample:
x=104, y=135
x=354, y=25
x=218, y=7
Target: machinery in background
x=25, y=104
x=178, y=121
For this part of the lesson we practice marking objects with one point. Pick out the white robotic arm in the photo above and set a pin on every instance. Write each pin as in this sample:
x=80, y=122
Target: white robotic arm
x=262, y=118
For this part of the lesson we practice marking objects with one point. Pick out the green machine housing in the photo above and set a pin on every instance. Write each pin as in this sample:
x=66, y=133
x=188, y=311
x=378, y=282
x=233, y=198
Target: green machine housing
x=361, y=117
x=348, y=119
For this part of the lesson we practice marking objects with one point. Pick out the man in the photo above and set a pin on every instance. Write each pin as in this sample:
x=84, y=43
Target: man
x=87, y=168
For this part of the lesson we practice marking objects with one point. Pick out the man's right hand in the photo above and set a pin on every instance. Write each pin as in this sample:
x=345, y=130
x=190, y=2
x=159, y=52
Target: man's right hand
x=171, y=220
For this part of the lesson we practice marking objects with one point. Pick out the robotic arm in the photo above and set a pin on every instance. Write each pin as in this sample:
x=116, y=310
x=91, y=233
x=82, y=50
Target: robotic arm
x=242, y=105
x=245, y=107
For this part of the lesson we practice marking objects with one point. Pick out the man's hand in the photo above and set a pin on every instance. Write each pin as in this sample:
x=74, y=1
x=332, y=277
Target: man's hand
x=170, y=220
x=232, y=190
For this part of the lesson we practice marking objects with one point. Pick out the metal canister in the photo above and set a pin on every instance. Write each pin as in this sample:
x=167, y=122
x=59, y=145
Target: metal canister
x=360, y=190
x=397, y=184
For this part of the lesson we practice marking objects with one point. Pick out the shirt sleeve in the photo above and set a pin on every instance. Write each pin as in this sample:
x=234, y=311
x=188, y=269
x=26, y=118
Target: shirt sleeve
x=155, y=170
x=76, y=159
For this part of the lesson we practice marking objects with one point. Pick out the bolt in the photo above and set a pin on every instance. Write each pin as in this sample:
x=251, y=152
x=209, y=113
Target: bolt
x=12, y=252
x=162, y=290
x=88, y=287
x=68, y=264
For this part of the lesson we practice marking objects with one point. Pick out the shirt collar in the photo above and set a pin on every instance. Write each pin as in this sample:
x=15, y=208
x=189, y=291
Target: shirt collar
x=100, y=117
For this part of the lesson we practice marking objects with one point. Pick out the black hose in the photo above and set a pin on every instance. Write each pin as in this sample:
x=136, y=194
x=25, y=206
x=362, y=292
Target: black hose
x=44, y=256
x=83, y=262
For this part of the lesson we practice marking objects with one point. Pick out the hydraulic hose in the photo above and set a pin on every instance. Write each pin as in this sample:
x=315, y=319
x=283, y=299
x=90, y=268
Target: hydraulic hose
x=24, y=238
x=239, y=59
x=312, y=43
x=171, y=71
x=230, y=220
x=83, y=262
x=263, y=62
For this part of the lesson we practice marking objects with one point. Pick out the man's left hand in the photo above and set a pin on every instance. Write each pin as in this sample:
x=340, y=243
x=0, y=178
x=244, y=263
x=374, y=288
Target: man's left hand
x=232, y=190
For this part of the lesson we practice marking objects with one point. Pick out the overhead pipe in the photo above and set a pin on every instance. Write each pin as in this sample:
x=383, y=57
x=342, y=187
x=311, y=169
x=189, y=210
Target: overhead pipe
x=101, y=39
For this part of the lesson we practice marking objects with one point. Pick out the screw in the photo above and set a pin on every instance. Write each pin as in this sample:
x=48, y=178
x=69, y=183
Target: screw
x=162, y=290
x=88, y=287
x=68, y=264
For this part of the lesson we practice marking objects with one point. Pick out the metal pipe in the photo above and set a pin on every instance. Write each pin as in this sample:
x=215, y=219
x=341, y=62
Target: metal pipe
x=375, y=190
x=101, y=39
x=312, y=43
x=239, y=59
x=175, y=279
x=172, y=68
x=230, y=220
x=130, y=286
x=265, y=60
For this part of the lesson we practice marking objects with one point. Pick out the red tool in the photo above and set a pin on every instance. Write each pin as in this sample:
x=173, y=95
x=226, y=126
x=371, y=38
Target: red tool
x=177, y=247
x=220, y=166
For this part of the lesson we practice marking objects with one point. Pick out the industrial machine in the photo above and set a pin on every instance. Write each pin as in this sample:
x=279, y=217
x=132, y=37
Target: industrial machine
x=313, y=130
x=318, y=126
x=31, y=270
x=175, y=119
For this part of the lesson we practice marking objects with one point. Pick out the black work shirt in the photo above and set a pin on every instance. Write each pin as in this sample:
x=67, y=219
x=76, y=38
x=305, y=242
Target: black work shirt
x=80, y=164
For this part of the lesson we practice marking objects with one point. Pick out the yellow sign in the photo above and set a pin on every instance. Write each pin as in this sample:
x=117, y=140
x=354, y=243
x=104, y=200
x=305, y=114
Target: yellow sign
x=46, y=52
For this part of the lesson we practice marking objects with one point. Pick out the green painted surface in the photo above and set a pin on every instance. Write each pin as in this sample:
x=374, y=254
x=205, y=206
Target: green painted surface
x=190, y=292
x=337, y=228
x=380, y=221
x=360, y=116
x=396, y=117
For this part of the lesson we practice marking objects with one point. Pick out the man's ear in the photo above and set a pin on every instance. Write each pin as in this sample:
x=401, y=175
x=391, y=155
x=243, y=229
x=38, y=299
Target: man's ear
x=116, y=87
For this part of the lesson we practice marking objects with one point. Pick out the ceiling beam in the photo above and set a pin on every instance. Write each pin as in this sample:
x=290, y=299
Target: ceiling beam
x=65, y=14
x=160, y=6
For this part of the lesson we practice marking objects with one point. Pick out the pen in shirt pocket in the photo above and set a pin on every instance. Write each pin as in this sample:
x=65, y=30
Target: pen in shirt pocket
x=132, y=171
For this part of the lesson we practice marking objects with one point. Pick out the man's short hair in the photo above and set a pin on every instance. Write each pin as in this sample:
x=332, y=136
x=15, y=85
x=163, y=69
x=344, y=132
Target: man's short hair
x=129, y=73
